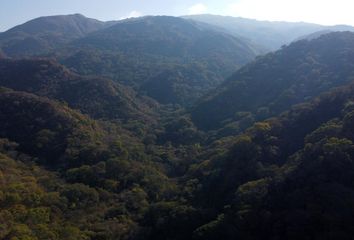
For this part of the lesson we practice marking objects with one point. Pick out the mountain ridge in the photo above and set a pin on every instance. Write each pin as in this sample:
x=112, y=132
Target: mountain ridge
x=292, y=69
x=96, y=96
x=136, y=51
x=269, y=34
x=45, y=33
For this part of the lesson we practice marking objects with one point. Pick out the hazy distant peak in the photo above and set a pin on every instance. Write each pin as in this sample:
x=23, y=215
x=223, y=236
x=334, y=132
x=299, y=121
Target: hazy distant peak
x=270, y=35
x=65, y=24
x=44, y=33
x=161, y=19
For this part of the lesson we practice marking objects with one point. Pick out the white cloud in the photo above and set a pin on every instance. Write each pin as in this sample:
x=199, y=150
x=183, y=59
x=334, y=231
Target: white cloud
x=132, y=14
x=317, y=11
x=198, y=8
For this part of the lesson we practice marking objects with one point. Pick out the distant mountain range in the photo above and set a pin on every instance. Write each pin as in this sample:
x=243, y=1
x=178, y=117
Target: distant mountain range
x=169, y=128
x=137, y=52
x=170, y=59
x=268, y=34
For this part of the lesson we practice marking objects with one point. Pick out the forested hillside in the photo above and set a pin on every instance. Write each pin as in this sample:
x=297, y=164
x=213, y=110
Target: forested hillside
x=127, y=131
x=289, y=177
x=43, y=34
x=140, y=52
x=137, y=52
x=96, y=96
x=33, y=205
x=112, y=178
x=274, y=82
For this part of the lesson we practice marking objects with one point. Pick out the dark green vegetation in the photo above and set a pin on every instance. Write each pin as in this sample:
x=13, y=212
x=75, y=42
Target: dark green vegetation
x=32, y=207
x=96, y=96
x=182, y=58
x=286, y=178
x=266, y=34
x=178, y=57
x=88, y=158
x=46, y=33
x=274, y=82
x=112, y=178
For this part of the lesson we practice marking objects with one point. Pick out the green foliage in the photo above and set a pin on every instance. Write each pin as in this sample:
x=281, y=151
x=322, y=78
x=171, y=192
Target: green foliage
x=180, y=131
x=43, y=34
x=64, y=175
x=27, y=209
x=80, y=195
x=278, y=80
x=170, y=59
x=104, y=163
x=96, y=96
x=289, y=177
x=51, y=131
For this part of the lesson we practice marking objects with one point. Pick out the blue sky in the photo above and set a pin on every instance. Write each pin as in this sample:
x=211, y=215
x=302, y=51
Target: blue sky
x=329, y=12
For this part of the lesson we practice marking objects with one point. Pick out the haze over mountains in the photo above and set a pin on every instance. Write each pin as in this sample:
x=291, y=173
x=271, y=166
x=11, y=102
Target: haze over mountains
x=274, y=82
x=45, y=33
x=140, y=52
x=163, y=127
x=270, y=35
x=136, y=52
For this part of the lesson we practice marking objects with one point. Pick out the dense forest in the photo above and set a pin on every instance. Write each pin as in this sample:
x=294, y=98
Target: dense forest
x=96, y=96
x=274, y=82
x=171, y=128
x=45, y=33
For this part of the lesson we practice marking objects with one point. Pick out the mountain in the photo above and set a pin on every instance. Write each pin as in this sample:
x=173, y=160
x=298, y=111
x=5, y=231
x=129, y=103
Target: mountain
x=326, y=30
x=98, y=97
x=314, y=35
x=44, y=128
x=83, y=156
x=274, y=82
x=178, y=37
x=292, y=170
x=43, y=34
x=154, y=55
x=304, y=156
x=140, y=52
x=270, y=35
x=98, y=179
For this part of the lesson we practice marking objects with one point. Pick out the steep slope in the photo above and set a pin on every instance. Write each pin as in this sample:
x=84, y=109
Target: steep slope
x=177, y=38
x=30, y=207
x=46, y=129
x=289, y=177
x=278, y=80
x=98, y=97
x=43, y=34
x=140, y=51
x=271, y=35
x=101, y=179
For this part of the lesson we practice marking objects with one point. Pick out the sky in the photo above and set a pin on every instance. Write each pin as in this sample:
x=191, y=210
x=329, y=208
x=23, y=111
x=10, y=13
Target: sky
x=326, y=12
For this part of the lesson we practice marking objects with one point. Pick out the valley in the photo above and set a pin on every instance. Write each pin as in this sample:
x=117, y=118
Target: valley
x=161, y=127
